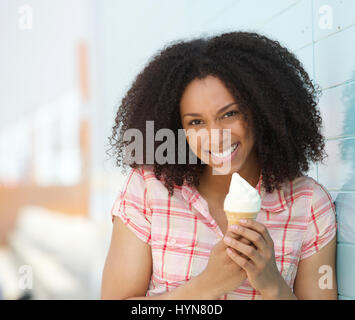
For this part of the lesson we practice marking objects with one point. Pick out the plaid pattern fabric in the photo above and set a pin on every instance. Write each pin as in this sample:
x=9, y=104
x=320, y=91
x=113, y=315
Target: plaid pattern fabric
x=300, y=218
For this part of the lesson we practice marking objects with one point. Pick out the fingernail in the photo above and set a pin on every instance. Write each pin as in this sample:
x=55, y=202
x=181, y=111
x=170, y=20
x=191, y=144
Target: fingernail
x=227, y=239
x=243, y=221
x=234, y=227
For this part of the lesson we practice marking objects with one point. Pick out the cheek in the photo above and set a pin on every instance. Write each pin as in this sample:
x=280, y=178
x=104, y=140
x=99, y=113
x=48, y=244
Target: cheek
x=195, y=145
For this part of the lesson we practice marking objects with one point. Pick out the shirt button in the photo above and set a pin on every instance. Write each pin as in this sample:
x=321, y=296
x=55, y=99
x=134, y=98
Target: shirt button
x=172, y=241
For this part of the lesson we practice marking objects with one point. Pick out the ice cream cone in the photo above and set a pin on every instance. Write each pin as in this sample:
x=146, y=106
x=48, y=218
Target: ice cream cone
x=234, y=217
x=242, y=200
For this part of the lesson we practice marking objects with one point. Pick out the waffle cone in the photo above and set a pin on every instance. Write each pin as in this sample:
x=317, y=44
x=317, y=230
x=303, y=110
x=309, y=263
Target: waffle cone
x=234, y=217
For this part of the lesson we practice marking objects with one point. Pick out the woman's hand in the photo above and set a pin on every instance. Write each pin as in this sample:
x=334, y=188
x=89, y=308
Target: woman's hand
x=260, y=266
x=222, y=274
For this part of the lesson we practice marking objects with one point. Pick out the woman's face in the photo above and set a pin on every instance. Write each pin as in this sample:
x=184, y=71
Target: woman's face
x=205, y=105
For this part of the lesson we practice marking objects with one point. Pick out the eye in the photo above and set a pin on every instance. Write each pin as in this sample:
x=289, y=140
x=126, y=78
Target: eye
x=230, y=114
x=193, y=122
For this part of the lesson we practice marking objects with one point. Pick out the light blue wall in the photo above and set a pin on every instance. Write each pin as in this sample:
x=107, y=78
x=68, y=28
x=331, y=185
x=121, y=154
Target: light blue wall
x=135, y=30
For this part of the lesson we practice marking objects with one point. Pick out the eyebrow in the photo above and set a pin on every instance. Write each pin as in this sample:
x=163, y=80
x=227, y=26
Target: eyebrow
x=218, y=112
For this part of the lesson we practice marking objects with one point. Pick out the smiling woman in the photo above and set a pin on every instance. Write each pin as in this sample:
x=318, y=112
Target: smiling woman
x=204, y=98
x=172, y=231
x=275, y=97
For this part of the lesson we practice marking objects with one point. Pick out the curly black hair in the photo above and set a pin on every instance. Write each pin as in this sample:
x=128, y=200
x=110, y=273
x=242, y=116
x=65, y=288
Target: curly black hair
x=265, y=78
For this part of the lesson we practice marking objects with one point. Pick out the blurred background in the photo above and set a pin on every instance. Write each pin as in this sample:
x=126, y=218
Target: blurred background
x=65, y=65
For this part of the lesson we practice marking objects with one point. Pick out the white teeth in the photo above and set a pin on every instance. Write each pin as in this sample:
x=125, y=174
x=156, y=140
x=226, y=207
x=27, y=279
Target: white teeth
x=225, y=153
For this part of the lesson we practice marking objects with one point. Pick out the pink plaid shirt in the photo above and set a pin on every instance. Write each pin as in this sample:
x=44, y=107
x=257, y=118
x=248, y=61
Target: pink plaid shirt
x=300, y=218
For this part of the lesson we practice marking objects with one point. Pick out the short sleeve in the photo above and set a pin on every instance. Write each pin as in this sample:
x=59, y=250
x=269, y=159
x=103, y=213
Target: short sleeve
x=322, y=223
x=131, y=206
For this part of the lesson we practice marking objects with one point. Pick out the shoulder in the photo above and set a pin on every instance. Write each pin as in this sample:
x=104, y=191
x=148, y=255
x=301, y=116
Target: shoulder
x=317, y=189
x=143, y=177
x=299, y=188
x=147, y=175
x=305, y=185
x=304, y=182
x=321, y=198
x=315, y=193
x=307, y=190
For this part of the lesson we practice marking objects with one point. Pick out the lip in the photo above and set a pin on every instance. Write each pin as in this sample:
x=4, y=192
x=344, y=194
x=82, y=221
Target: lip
x=220, y=151
x=228, y=158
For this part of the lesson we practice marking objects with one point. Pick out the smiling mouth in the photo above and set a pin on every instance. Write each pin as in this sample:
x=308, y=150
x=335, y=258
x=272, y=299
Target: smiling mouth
x=226, y=152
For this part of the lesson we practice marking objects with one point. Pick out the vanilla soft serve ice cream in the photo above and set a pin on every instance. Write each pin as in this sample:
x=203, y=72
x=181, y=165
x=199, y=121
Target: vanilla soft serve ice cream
x=242, y=200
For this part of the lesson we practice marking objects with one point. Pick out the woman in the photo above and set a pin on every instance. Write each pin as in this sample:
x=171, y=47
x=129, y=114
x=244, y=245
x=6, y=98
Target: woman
x=172, y=240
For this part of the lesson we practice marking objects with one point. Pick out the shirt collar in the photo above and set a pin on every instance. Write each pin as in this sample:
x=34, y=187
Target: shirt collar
x=274, y=201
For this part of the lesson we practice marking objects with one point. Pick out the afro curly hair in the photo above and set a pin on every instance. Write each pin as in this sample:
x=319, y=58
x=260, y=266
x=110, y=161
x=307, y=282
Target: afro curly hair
x=267, y=81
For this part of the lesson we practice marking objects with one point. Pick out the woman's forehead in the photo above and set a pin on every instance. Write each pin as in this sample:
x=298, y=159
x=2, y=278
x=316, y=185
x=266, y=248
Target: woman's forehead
x=205, y=95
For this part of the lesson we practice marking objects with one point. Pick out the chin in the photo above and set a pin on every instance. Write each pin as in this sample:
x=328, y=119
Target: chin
x=223, y=170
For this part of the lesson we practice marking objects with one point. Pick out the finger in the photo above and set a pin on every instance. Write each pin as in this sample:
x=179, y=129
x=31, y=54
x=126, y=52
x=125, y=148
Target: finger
x=259, y=227
x=241, y=254
x=231, y=234
x=247, y=250
x=244, y=263
x=256, y=238
x=246, y=241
